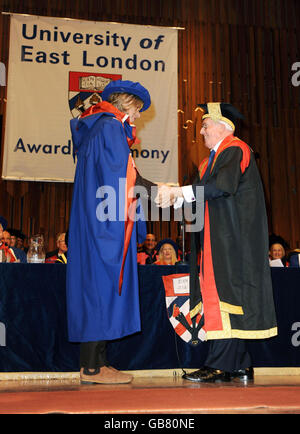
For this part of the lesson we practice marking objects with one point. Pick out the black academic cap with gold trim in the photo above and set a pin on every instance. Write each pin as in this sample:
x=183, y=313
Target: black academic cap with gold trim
x=221, y=111
x=277, y=239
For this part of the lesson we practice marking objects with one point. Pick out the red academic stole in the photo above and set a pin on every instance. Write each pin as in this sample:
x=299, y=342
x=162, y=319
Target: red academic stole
x=210, y=297
x=106, y=107
x=130, y=208
x=8, y=252
x=227, y=143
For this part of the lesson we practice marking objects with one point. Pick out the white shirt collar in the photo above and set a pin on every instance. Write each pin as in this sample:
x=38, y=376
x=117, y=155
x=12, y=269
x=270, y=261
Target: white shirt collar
x=215, y=148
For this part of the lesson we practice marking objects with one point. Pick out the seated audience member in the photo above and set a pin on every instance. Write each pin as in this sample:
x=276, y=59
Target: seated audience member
x=277, y=251
x=62, y=257
x=21, y=240
x=20, y=255
x=148, y=253
x=17, y=239
x=8, y=253
x=167, y=252
x=13, y=237
x=294, y=258
x=52, y=257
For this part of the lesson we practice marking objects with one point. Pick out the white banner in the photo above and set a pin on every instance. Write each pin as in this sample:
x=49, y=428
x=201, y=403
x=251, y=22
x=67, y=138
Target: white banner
x=58, y=67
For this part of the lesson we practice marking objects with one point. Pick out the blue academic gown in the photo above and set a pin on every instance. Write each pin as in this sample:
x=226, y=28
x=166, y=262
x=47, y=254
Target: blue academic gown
x=96, y=310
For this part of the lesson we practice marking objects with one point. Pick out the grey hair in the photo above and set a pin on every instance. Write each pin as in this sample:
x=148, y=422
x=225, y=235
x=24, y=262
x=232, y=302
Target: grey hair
x=227, y=126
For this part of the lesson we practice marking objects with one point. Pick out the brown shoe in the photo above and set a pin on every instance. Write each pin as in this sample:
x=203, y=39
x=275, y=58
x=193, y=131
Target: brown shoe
x=104, y=375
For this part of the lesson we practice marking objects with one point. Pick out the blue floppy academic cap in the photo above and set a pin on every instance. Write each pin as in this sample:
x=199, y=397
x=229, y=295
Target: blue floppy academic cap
x=127, y=86
x=166, y=241
x=3, y=223
x=221, y=111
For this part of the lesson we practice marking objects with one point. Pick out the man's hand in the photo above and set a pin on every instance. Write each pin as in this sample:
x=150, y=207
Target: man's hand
x=166, y=196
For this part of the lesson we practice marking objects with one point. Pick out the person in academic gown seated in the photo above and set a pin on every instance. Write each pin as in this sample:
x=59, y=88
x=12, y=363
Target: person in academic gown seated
x=62, y=257
x=294, y=258
x=234, y=288
x=167, y=252
x=277, y=250
x=9, y=255
x=60, y=254
x=147, y=255
x=19, y=254
x=102, y=278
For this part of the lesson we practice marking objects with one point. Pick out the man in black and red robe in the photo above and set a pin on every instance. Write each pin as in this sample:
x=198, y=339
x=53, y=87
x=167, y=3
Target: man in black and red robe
x=234, y=285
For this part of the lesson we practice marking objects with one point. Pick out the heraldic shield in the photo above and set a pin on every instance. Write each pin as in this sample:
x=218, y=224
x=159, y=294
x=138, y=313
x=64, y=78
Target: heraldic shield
x=85, y=89
x=178, y=308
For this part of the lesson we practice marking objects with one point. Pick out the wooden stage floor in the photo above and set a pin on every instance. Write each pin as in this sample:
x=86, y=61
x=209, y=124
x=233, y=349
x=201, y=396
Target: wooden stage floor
x=150, y=394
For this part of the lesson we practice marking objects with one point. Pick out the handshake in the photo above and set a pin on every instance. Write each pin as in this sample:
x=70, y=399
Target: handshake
x=166, y=195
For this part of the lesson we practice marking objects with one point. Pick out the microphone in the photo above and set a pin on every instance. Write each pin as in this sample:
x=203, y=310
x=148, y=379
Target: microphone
x=183, y=261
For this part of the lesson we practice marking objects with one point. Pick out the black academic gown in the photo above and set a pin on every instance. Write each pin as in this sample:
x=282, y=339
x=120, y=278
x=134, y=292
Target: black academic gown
x=235, y=281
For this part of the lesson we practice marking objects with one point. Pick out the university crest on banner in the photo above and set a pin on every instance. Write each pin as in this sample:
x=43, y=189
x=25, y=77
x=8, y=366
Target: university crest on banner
x=85, y=89
x=177, y=291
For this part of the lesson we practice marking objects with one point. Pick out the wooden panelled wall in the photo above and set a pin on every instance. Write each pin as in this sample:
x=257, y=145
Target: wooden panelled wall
x=238, y=51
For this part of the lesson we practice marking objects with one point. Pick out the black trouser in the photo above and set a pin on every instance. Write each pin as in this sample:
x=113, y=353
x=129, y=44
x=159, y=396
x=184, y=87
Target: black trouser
x=93, y=354
x=228, y=355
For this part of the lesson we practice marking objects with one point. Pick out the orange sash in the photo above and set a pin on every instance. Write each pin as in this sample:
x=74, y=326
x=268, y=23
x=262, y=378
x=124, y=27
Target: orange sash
x=227, y=143
x=106, y=107
x=130, y=208
x=210, y=297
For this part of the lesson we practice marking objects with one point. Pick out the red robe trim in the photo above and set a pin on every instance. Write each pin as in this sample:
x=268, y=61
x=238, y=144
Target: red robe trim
x=227, y=142
x=130, y=208
x=104, y=107
x=210, y=297
x=8, y=252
